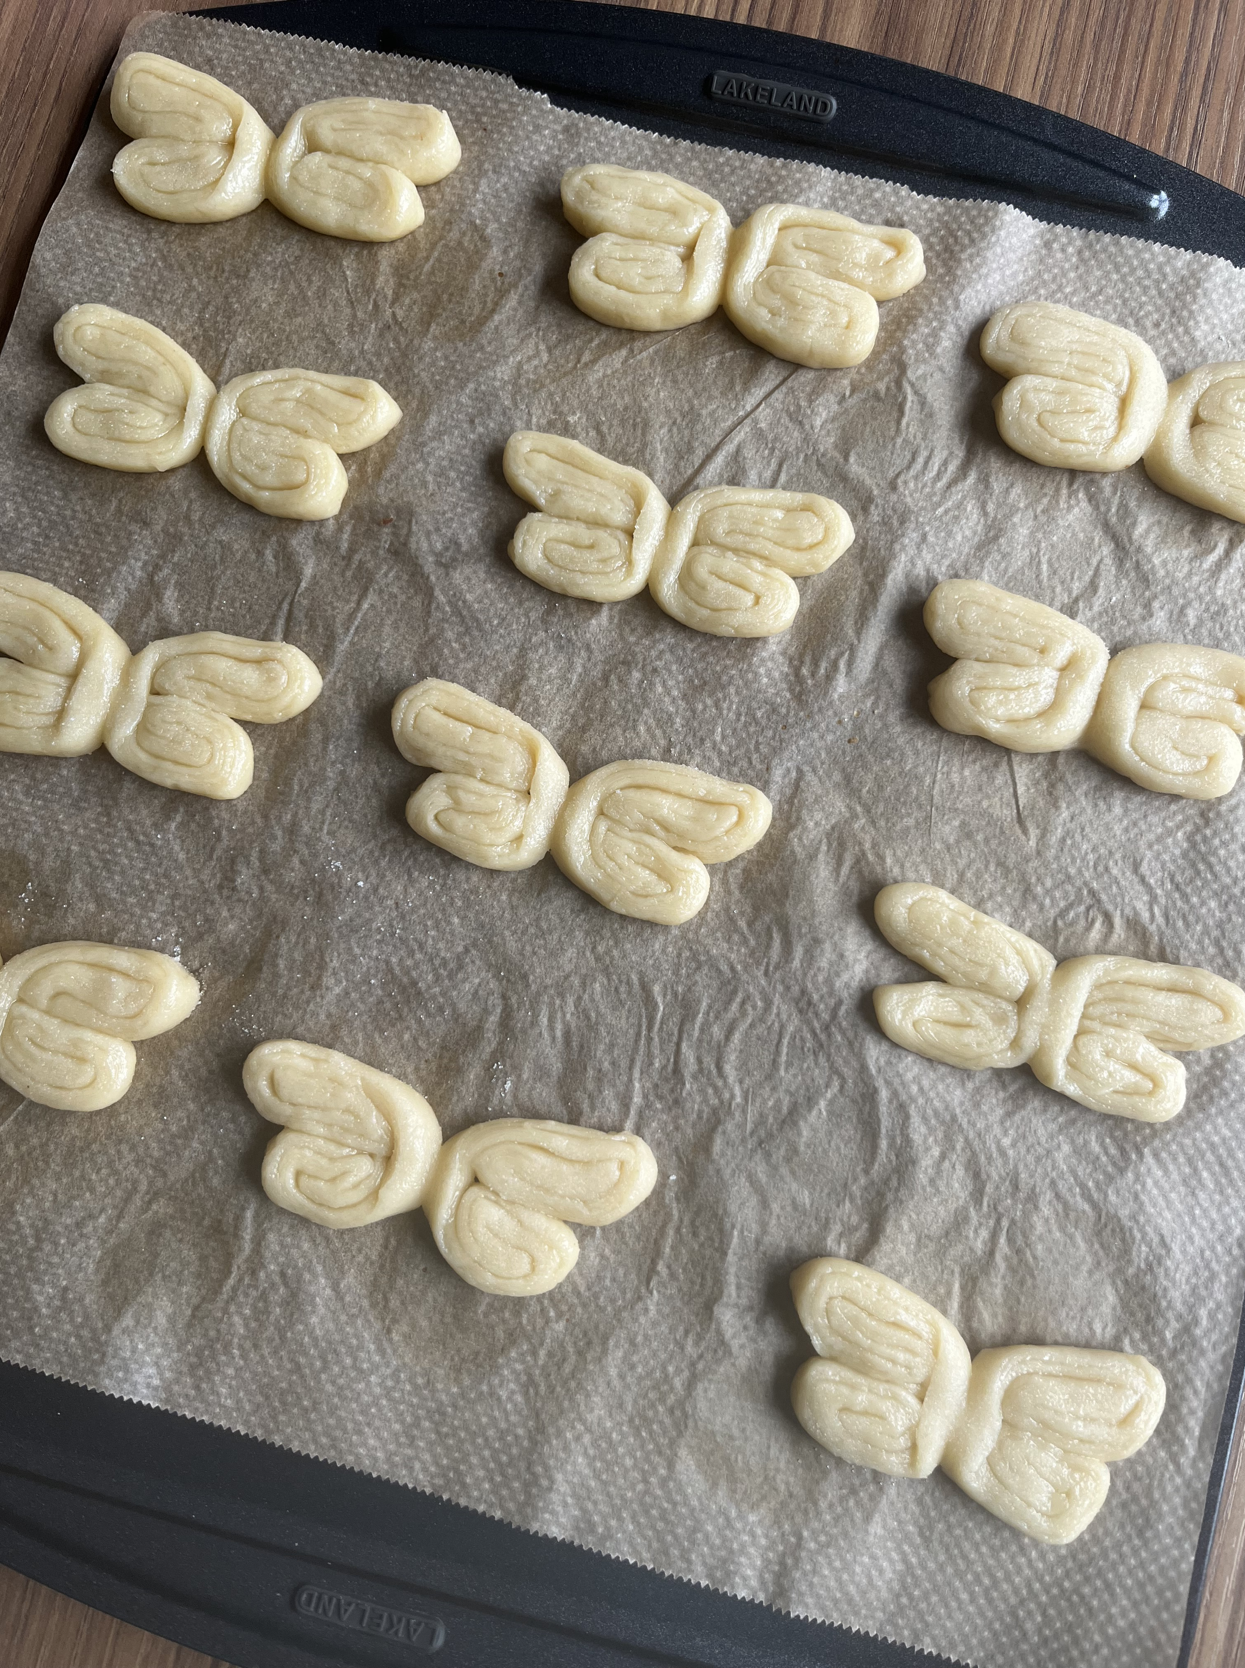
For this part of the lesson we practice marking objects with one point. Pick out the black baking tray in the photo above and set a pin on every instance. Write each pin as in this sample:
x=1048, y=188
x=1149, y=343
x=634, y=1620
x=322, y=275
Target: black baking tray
x=267, y=1558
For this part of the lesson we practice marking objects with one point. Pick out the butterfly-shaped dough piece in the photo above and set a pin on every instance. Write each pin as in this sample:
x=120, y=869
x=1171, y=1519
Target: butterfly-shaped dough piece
x=172, y=720
x=71, y=1013
x=274, y=438
x=598, y=525
x=637, y=835
x=1109, y=1020
x=499, y=784
x=60, y=669
x=890, y=1375
x=144, y=404
x=1094, y=1028
x=349, y=166
x=200, y=151
x=990, y=999
x=804, y=283
x=1039, y=1426
x=1082, y=394
x=657, y=250
x=502, y=1194
x=1169, y=718
x=1198, y=451
x=726, y=561
x=357, y=1146
x=1025, y=676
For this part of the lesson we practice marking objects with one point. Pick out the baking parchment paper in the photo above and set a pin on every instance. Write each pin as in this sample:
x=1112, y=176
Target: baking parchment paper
x=642, y=1407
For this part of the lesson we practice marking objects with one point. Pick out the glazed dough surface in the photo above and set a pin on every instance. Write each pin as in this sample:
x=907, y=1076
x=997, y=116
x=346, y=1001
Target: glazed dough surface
x=804, y=283
x=657, y=249
x=1198, y=451
x=349, y=167
x=598, y=525
x=637, y=835
x=502, y=1194
x=357, y=1146
x=274, y=438
x=499, y=784
x=60, y=670
x=726, y=561
x=1025, y=676
x=1039, y=1426
x=71, y=1013
x=144, y=404
x=890, y=1375
x=1094, y=1028
x=199, y=152
x=1083, y=394
x=172, y=720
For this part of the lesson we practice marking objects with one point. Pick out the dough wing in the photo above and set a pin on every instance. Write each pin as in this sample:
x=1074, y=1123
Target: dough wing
x=637, y=835
x=173, y=719
x=1111, y=1019
x=144, y=405
x=357, y=1146
x=1170, y=717
x=725, y=563
x=598, y=525
x=60, y=669
x=70, y=1014
x=200, y=151
x=1039, y=1427
x=498, y=784
x=1026, y=677
x=274, y=438
x=502, y=1193
x=891, y=1373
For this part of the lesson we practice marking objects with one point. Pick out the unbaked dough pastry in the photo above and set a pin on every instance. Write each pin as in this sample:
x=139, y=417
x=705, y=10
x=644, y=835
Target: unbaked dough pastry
x=349, y=166
x=657, y=249
x=1025, y=677
x=598, y=525
x=988, y=1000
x=357, y=1146
x=726, y=562
x=60, y=670
x=502, y=1194
x=199, y=151
x=1040, y=1424
x=1025, y=1431
x=274, y=438
x=637, y=835
x=172, y=720
x=1083, y=394
x=1169, y=718
x=71, y=1013
x=1198, y=451
x=499, y=784
x=1109, y=1020
x=890, y=1375
x=1095, y=1028
x=805, y=283
x=144, y=406
x=1166, y=715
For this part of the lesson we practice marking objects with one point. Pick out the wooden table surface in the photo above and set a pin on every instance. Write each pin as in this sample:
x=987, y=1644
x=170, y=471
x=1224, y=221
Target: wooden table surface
x=1166, y=74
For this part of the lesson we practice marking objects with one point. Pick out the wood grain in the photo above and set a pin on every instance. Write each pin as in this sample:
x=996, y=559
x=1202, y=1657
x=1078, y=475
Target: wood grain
x=1167, y=74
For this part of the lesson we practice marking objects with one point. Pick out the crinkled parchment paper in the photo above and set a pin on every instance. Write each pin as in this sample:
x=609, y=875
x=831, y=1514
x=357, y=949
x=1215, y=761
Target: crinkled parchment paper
x=642, y=1407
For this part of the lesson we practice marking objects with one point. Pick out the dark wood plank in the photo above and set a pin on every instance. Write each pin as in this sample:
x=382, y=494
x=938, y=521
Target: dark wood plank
x=1167, y=74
